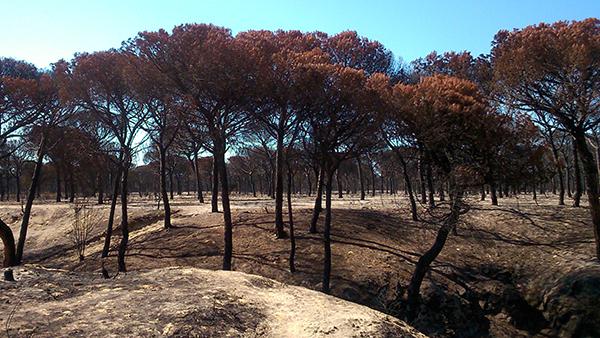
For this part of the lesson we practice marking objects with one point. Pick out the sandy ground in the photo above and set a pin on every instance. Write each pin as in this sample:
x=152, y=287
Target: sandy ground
x=181, y=302
x=522, y=243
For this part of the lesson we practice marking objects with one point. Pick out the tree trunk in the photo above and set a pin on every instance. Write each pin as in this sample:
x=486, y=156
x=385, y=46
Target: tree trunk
x=339, y=184
x=124, y=220
x=318, y=202
x=291, y=220
x=171, y=183
x=58, y=184
x=163, y=185
x=422, y=180
x=100, y=187
x=279, y=231
x=30, y=197
x=71, y=186
x=591, y=175
x=561, y=183
x=214, y=198
x=493, y=191
x=361, y=179
x=327, y=234
x=111, y=215
x=578, y=187
x=430, y=255
x=373, y=179
x=408, y=185
x=18, y=184
x=430, y=184
x=196, y=168
x=228, y=224
x=8, y=241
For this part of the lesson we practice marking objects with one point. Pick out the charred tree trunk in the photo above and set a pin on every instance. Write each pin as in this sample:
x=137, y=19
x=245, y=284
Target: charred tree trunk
x=18, y=184
x=214, y=198
x=100, y=184
x=578, y=187
x=163, y=185
x=252, y=184
x=228, y=223
x=408, y=185
x=124, y=219
x=318, y=202
x=361, y=179
x=171, y=183
x=421, y=170
x=291, y=219
x=430, y=255
x=327, y=234
x=279, y=231
x=71, y=186
x=196, y=169
x=559, y=171
x=430, y=184
x=591, y=175
x=111, y=215
x=493, y=191
x=30, y=197
x=309, y=184
x=58, y=184
x=8, y=241
x=339, y=184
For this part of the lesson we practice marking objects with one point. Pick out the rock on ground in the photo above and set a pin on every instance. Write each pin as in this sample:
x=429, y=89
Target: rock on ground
x=179, y=302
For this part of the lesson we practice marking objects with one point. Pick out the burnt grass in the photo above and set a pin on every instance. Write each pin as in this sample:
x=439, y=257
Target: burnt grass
x=488, y=280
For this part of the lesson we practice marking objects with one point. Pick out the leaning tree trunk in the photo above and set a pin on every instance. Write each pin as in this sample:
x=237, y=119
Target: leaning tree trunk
x=327, y=235
x=163, y=186
x=291, y=219
x=578, y=187
x=8, y=240
x=228, y=223
x=30, y=197
x=111, y=215
x=430, y=255
x=318, y=203
x=124, y=220
x=214, y=198
x=591, y=180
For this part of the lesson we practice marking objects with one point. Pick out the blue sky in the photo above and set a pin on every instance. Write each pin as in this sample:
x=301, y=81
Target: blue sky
x=45, y=31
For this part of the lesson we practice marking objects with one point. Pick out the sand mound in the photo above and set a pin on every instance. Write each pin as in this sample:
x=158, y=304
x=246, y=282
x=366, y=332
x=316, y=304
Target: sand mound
x=177, y=302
